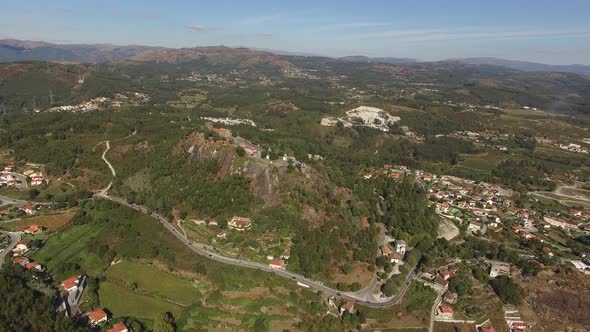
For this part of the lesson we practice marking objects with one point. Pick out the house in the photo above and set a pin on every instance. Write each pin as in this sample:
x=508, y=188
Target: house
x=444, y=311
x=8, y=168
x=486, y=328
x=34, y=266
x=212, y=223
x=222, y=132
x=239, y=223
x=517, y=326
x=277, y=264
x=286, y=254
x=450, y=297
x=23, y=245
x=367, y=175
x=20, y=260
x=71, y=284
x=34, y=229
x=222, y=235
x=348, y=306
x=441, y=282
x=29, y=209
x=395, y=258
x=499, y=268
x=387, y=166
x=400, y=247
x=119, y=327
x=36, y=181
x=547, y=250
x=447, y=274
x=98, y=316
x=385, y=250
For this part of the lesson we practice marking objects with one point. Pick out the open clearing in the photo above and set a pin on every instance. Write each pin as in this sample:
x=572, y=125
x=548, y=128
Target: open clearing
x=150, y=280
x=52, y=222
x=121, y=301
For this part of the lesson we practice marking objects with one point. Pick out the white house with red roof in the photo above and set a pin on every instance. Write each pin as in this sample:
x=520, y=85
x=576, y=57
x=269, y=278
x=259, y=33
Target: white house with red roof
x=239, y=223
x=97, y=316
x=444, y=312
x=277, y=264
x=71, y=284
x=119, y=327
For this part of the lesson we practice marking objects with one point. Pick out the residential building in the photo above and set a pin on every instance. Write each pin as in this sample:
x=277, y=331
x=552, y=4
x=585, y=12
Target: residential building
x=450, y=297
x=400, y=247
x=277, y=264
x=71, y=284
x=499, y=268
x=445, y=312
x=98, y=316
x=23, y=245
x=33, y=229
x=119, y=327
x=239, y=223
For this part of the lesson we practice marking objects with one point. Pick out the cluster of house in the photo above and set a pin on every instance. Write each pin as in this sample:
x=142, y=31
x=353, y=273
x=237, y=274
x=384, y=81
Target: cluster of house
x=22, y=247
x=28, y=209
x=236, y=223
x=72, y=288
x=441, y=279
x=8, y=177
x=395, y=256
x=135, y=98
x=573, y=148
x=279, y=263
x=36, y=177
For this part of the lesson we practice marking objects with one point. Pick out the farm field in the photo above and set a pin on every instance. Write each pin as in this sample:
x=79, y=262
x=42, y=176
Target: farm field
x=52, y=222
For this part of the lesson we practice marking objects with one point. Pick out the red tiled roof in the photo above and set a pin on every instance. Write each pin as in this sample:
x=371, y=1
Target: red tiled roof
x=276, y=262
x=446, y=309
x=31, y=265
x=70, y=282
x=97, y=315
x=119, y=327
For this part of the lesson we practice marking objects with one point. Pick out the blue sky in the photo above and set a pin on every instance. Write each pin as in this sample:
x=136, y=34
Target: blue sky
x=554, y=31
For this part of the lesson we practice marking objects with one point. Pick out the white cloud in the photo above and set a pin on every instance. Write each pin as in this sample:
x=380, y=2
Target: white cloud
x=198, y=27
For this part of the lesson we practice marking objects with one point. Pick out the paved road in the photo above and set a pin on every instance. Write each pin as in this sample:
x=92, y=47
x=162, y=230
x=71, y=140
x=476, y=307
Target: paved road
x=14, y=239
x=5, y=200
x=200, y=249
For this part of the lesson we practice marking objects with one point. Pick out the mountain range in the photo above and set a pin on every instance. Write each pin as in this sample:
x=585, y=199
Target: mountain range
x=23, y=50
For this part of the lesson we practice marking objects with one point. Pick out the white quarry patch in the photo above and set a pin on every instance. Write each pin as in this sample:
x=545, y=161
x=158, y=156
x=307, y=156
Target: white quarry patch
x=366, y=116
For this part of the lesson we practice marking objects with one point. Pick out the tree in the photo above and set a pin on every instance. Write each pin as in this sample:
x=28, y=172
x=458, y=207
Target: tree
x=240, y=151
x=507, y=290
x=33, y=193
x=164, y=322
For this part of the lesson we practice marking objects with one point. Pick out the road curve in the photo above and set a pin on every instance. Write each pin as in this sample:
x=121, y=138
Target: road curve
x=14, y=239
x=200, y=249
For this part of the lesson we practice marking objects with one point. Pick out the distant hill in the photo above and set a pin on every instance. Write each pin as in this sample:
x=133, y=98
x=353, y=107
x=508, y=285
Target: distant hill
x=388, y=60
x=24, y=50
x=528, y=66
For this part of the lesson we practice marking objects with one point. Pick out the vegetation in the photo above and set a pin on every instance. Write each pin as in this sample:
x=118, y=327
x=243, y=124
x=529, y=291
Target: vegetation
x=24, y=308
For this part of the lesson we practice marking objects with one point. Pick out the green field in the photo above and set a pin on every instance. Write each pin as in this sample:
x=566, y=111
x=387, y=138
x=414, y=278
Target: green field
x=152, y=281
x=122, y=301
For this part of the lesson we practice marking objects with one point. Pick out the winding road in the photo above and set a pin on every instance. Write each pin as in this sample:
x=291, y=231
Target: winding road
x=201, y=250
x=14, y=239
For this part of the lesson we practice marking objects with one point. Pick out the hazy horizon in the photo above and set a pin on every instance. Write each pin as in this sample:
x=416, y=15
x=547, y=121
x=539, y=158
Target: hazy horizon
x=545, y=32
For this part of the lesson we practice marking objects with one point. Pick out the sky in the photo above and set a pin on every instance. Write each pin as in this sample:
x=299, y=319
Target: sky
x=554, y=32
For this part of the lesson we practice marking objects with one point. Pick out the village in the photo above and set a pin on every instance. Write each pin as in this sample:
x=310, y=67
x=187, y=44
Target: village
x=493, y=213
